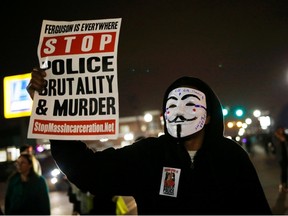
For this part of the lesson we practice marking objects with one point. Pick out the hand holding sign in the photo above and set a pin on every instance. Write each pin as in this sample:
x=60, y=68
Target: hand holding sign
x=37, y=82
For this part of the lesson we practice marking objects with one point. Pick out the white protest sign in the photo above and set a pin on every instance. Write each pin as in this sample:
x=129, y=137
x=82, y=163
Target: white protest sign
x=80, y=100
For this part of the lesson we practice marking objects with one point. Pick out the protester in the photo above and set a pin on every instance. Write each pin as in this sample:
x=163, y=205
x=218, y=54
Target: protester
x=36, y=164
x=212, y=174
x=27, y=192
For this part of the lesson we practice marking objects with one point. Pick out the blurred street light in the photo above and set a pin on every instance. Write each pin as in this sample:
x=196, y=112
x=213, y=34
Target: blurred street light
x=239, y=112
x=148, y=117
x=225, y=112
x=129, y=136
x=230, y=124
x=248, y=121
x=265, y=122
x=257, y=113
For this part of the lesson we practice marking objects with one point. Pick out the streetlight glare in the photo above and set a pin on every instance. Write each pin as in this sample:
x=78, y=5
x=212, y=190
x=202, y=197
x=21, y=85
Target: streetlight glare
x=230, y=124
x=265, y=122
x=241, y=132
x=239, y=124
x=257, y=113
x=55, y=172
x=225, y=112
x=248, y=121
x=104, y=140
x=54, y=180
x=129, y=136
x=237, y=138
x=239, y=112
x=148, y=117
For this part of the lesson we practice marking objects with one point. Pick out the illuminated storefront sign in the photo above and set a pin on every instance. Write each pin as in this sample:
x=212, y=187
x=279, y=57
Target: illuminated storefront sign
x=17, y=102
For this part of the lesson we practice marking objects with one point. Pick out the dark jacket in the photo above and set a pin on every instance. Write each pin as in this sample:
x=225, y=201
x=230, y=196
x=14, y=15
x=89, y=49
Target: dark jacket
x=222, y=179
x=27, y=198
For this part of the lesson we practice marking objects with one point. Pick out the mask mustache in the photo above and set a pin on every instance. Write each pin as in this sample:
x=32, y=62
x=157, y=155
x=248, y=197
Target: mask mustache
x=181, y=118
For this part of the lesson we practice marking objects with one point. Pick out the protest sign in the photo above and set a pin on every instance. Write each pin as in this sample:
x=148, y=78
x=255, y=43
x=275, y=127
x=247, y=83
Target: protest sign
x=80, y=100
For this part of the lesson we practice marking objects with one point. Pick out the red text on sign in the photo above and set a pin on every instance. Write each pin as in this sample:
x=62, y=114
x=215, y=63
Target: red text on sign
x=78, y=44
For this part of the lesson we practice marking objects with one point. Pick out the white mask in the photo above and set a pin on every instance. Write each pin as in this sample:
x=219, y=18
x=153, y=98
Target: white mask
x=185, y=107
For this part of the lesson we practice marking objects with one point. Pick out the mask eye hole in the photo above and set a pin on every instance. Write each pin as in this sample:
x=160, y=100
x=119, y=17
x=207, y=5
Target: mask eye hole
x=190, y=104
x=172, y=106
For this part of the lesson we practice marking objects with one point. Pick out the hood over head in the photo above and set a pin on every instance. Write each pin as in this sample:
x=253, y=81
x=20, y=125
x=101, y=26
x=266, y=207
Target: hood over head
x=215, y=127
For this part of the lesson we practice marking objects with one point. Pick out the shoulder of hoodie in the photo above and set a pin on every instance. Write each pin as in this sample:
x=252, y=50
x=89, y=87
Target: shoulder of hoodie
x=233, y=146
x=225, y=148
x=231, y=150
x=151, y=144
x=224, y=144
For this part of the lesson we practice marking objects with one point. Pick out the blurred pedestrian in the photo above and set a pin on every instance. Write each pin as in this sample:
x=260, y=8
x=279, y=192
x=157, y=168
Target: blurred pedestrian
x=85, y=203
x=73, y=199
x=27, y=192
x=212, y=174
x=36, y=164
x=82, y=201
x=282, y=154
x=248, y=145
x=280, y=139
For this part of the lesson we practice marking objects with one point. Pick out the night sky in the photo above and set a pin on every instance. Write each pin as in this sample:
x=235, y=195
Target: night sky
x=240, y=48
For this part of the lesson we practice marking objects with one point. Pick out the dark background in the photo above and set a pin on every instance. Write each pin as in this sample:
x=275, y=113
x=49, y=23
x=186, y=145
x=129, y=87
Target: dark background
x=240, y=48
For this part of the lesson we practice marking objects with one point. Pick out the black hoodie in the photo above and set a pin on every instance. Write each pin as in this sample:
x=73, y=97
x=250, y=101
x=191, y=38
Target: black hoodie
x=222, y=179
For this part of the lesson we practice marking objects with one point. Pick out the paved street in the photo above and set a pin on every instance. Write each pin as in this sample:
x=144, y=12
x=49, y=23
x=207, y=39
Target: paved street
x=60, y=204
x=269, y=173
x=266, y=166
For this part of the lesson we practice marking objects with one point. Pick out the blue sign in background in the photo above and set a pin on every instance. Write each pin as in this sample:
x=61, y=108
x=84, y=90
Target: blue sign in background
x=20, y=99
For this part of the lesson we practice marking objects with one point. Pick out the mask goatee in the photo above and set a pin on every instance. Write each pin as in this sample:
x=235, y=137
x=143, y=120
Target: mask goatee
x=178, y=131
